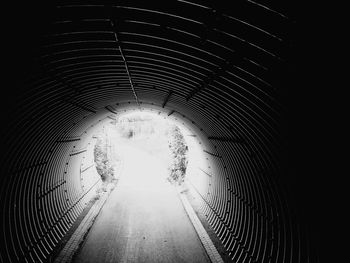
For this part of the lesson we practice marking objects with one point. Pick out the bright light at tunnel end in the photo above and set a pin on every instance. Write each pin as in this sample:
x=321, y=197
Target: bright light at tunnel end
x=146, y=159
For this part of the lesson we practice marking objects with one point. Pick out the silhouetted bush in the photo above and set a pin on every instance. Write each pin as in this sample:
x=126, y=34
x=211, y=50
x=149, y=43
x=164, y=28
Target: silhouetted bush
x=104, y=166
x=178, y=150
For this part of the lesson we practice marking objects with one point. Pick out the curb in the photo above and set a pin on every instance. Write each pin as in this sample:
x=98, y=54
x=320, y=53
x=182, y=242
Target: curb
x=72, y=246
x=208, y=245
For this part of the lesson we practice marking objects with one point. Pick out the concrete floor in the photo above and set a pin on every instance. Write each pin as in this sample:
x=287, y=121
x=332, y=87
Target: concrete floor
x=143, y=220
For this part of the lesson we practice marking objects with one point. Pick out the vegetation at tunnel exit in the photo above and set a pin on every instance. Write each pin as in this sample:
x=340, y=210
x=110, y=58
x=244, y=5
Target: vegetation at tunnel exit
x=178, y=151
x=103, y=163
x=157, y=137
x=147, y=128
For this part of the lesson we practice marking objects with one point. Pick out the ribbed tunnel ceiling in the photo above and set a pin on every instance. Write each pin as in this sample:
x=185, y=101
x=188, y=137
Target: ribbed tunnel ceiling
x=221, y=68
x=218, y=63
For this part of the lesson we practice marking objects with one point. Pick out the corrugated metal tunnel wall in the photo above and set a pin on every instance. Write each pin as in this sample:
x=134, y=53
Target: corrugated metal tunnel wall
x=221, y=69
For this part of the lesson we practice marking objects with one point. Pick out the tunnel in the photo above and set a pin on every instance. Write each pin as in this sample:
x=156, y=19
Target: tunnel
x=222, y=69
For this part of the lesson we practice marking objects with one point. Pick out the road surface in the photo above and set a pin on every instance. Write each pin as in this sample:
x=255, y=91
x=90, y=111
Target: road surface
x=143, y=220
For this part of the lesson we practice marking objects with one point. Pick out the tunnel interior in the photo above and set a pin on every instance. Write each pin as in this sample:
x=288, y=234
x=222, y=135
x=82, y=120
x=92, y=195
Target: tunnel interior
x=220, y=69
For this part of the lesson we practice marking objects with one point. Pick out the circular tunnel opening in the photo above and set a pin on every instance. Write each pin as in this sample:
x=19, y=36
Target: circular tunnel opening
x=147, y=149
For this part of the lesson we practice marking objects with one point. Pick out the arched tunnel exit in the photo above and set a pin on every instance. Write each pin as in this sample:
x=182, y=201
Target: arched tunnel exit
x=222, y=70
x=143, y=218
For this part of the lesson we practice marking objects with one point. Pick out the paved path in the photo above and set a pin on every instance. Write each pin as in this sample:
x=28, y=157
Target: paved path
x=143, y=220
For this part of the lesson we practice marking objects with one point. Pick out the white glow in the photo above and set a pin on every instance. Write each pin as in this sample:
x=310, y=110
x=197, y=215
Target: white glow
x=146, y=158
x=141, y=169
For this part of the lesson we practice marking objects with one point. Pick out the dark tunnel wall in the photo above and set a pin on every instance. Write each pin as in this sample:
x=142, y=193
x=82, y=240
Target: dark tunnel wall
x=223, y=69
